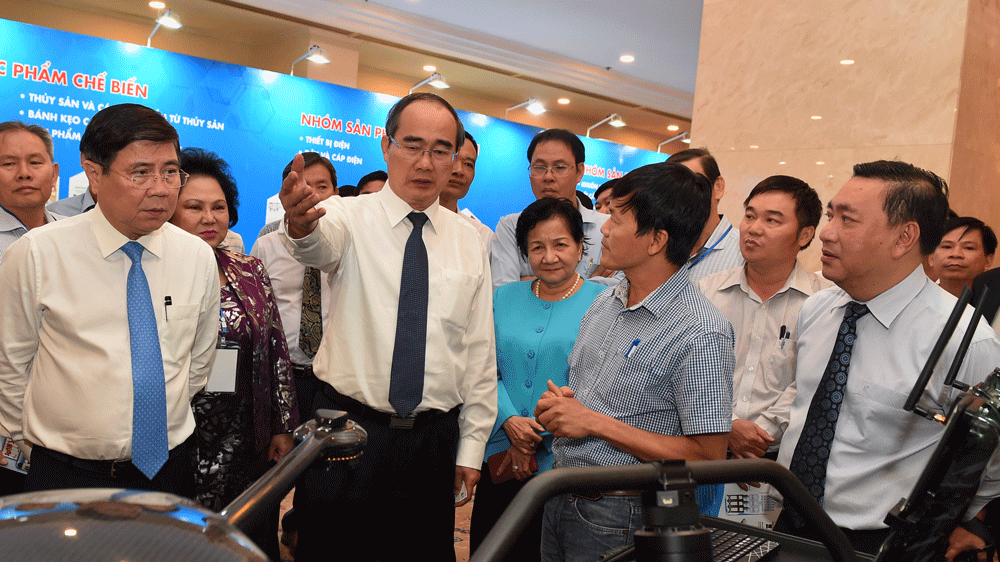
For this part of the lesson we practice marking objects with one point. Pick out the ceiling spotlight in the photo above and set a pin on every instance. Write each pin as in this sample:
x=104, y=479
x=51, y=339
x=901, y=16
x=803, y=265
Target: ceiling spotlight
x=847, y=62
x=626, y=58
x=165, y=19
x=782, y=163
x=430, y=67
x=435, y=80
x=820, y=163
x=673, y=128
x=816, y=117
x=614, y=120
x=754, y=147
x=157, y=5
x=686, y=140
x=563, y=101
x=532, y=105
x=315, y=54
x=682, y=136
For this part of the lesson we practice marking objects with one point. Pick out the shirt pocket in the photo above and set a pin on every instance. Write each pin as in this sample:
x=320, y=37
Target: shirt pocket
x=178, y=333
x=875, y=411
x=451, y=296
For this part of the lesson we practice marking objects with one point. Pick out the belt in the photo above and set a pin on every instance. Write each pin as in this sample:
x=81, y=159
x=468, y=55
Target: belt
x=118, y=468
x=594, y=496
x=392, y=421
x=302, y=370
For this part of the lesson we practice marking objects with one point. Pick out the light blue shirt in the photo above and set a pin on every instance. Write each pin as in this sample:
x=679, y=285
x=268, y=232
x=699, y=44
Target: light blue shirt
x=534, y=340
x=508, y=265
x=11, y=228
x=664, y=365
x=72, y=206
x=720, y=252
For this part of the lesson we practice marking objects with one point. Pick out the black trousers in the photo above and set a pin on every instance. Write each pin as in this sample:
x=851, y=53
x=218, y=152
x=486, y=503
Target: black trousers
x=491, y=501
x=306, y=387
x=867, y=541
x=398, y=502
x=52, y=470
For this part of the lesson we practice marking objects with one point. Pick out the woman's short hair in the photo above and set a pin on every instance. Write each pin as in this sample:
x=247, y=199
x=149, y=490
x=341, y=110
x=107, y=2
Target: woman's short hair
x=201, y=162
x=543, y=210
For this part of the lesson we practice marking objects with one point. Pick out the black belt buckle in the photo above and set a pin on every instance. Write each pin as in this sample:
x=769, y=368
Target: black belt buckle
x=119, y=468
x=396, y=422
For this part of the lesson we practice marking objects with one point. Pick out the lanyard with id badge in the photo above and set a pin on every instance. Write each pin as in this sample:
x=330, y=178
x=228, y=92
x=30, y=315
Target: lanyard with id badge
x=227, y=354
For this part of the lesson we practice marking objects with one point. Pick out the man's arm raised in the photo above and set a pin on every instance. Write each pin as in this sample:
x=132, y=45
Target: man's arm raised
x=299, y=201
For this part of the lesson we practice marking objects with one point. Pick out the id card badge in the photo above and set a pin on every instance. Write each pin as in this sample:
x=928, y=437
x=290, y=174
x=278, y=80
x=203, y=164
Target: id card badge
x=223, y=376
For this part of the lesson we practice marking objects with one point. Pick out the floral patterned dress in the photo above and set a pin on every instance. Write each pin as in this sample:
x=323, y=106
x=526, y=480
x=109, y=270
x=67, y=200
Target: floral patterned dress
x=233, y=429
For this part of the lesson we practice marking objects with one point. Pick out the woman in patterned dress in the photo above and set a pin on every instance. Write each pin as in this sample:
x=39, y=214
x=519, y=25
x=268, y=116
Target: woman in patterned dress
x=238, y=434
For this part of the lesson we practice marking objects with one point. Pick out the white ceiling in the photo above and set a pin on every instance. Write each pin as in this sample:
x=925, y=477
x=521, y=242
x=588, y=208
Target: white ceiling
x=663, y=35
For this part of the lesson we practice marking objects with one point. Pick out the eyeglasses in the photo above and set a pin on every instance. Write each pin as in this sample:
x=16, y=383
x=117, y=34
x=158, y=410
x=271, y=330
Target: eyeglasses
x=413, y=152
x=174, y=179
x=559, y=170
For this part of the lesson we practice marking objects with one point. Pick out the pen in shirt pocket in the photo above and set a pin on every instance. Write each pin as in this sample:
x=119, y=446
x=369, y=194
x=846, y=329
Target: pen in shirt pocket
x=783, y=336
x=632, y=348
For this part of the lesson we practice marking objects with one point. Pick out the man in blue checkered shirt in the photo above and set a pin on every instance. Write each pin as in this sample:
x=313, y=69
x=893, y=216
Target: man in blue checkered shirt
x=651, y=374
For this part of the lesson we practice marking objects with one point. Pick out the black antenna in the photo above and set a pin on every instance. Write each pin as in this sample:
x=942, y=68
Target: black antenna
x=942, y=341
x=963, y=348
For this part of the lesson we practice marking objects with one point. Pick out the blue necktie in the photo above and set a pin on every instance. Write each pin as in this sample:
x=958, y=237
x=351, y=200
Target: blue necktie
x=406, y=380
x=812, y=452
x=149, y=396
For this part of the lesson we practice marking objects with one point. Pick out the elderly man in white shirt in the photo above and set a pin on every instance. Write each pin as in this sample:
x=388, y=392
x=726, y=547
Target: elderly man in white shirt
x=409, y=350
x=110, y=321
x=762, y=299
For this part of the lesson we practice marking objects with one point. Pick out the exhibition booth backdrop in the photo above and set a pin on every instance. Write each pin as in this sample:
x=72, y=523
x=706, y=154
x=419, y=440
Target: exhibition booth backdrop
x=254, y=119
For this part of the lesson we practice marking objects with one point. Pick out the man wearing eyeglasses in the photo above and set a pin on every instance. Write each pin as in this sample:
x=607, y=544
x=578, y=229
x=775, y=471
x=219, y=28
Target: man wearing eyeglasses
x=109, y=321
x=408, y=351
x=555, y=167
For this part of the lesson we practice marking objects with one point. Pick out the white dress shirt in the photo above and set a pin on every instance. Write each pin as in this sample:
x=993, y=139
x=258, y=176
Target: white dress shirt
x=509, y=265
x=11, y=228
x=485, y=232
x=286, y=275
x=764, y=381
x=720, y=252
x=879, y=449
x=359, y=242
x=65, y=358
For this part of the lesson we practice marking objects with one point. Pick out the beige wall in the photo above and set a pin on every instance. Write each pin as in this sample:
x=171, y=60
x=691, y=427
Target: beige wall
x=764, y=70
x=975, y=166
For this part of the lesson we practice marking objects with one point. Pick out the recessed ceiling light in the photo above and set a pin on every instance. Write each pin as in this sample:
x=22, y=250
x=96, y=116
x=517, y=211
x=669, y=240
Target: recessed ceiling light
x=820, y=163
x=626, y=58
x=686, y=141
x=430, y=67
x=157, y=5
x=816, y=117
x=754, y=147
x=847, y=62
x=672, y=128
x=563, y=101
x=781, y=163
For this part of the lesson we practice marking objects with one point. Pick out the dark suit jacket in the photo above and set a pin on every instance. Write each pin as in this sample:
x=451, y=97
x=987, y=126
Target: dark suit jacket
x=990, y=279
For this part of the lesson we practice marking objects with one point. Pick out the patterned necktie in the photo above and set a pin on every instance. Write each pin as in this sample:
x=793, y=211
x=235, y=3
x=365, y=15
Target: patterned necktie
x=406, y=380
x=812, y=452
x=311, y=325
x=149, y=396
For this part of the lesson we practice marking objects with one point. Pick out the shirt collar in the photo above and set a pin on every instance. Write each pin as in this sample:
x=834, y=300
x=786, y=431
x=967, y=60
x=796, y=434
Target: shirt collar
x=110, y=240
x=88, y=201
x=721, y=230
x=659, y=300
x=396, y=209
x=10, y=223
x=887, y=306
x=589, y=216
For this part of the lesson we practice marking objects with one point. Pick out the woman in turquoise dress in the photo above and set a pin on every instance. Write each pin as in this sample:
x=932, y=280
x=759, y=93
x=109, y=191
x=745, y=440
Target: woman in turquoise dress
x=536, y=322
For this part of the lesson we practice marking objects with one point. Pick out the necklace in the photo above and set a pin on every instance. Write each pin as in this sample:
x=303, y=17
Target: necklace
x=568, y=293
